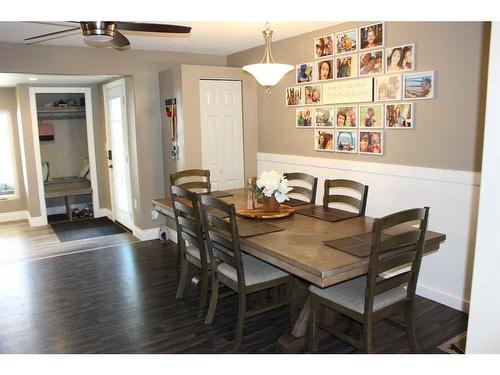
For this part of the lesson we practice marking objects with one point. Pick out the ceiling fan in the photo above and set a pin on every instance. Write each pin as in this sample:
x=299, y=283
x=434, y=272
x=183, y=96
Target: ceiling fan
x=108, y=31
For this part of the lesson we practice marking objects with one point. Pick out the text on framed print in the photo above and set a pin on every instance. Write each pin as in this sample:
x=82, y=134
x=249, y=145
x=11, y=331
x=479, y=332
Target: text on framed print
x=352, y=91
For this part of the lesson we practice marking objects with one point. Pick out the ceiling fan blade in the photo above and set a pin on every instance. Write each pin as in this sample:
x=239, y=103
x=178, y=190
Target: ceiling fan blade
x=32, y=40
x=120, y=41
x=153, y=27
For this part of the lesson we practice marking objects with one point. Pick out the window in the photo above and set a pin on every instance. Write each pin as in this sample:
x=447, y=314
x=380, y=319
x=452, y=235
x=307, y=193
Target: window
x=7, y=169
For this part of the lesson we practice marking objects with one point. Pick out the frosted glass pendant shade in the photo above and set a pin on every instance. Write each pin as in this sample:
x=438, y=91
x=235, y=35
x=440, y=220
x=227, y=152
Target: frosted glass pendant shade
x=268, y=74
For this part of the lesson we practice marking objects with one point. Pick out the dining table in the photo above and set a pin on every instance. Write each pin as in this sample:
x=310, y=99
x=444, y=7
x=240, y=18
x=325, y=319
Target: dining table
x=300, y=249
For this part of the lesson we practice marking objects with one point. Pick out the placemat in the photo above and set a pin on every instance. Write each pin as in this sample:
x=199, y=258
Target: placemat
x=359, y=245
x=327, y=214
x=220, y=194
x=257, y=229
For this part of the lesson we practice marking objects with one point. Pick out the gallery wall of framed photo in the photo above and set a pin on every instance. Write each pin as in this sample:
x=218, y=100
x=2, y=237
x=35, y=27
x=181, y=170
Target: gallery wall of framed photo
x=356, y=88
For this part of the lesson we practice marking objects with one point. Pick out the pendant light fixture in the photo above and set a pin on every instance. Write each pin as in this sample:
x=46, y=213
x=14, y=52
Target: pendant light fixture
x=268, y=73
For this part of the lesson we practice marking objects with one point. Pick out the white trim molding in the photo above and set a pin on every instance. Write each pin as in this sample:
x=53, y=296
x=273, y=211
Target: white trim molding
x=13, y=216
x=101, y=212
x=37, y=221
x=89, y=118
x=146, y=234
x=445, y=276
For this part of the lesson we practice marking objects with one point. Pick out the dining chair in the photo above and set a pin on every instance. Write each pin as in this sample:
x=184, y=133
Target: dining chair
x=308, y=192
x=373, y=297
x=192, y=179
x=191, y=241
x=242, y=273
x=358, y=204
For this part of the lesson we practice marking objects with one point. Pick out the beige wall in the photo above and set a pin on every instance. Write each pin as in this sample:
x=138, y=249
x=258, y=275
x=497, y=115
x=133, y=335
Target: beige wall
x=8, y=103
x=190, y=127
x=143, y=67
x=449, y=128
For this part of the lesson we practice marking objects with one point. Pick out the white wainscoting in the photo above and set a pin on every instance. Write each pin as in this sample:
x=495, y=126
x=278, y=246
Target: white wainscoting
x=452, y=195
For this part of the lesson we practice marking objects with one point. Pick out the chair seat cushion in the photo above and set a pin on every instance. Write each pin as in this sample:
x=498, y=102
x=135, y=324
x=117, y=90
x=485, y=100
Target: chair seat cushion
x=351, y=294
x=194, y=253
x=256, y=271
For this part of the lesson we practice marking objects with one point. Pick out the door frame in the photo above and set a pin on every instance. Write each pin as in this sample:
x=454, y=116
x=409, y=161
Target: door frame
x=202, y=130
x=110, y=85
x=89, y=122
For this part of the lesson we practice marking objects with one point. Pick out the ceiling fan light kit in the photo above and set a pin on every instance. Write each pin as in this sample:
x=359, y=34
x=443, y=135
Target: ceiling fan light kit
x=103, y=32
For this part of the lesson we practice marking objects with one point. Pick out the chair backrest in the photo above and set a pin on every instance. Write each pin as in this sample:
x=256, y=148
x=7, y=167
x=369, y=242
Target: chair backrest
x=221, y=229
x=407, y=243
x=187, y=179
x=188, y=221
x=332, y=197
x=309, y=193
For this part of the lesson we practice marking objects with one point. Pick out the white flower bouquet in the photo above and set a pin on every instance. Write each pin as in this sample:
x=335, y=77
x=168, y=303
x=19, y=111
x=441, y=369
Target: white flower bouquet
x=271, y=183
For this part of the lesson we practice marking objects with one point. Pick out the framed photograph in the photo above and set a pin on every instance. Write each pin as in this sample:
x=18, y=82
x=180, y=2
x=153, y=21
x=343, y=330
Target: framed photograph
x=294, y=96
x=371, y=115
x=323, y=46
x=312, y=94
x=345, y=66
x=324, y=117
x=304, y=117
x=346, y=116
x=324, y=70
x=400, y=58
x=371, y=36
x=346, y=41
x=323, y=140
x=371, y=142
x=388, y=88
x=304, y=73
x=371, y=63
x=418, y=85
x=399, y=116
x=346, y=141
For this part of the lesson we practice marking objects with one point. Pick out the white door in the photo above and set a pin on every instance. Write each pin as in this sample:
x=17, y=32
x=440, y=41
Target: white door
x=222, y=133
x=118, y=156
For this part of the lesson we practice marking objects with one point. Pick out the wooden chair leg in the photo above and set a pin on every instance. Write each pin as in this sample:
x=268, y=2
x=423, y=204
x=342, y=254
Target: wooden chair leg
x=203, y=293
x=313, y=324
x=240, y=325
x=292, y=295
x=182, y=279
x=368, y=336
x=213, y=301
x=410, y=327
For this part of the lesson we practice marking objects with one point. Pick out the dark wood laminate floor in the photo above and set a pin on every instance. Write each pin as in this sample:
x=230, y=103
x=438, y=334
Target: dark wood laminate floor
x=122, y=300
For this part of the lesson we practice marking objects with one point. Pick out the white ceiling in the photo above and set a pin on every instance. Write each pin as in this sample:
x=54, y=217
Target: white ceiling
x=13, y=79
x=217, y=38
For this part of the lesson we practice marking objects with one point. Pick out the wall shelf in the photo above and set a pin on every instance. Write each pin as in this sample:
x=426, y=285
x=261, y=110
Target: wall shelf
x=61, y=113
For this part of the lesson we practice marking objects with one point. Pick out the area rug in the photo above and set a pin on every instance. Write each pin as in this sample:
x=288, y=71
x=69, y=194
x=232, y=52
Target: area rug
x=79, y=230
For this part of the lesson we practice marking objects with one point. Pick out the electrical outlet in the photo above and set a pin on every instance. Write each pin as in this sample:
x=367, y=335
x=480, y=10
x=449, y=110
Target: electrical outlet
x=154, y=214
x=135, y=204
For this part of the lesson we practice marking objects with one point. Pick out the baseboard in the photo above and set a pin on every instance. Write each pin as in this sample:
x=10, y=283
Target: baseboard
x=172, y=234
x=146, y=234
x=37, y=221
x=103, y=212
x=13, y=216
x=445, y=299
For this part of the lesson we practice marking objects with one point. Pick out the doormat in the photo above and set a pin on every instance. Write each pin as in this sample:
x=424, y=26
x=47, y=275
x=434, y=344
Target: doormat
x=80, y=230
x=456, y=345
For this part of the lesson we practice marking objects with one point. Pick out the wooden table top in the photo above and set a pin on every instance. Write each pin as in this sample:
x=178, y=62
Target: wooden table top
x=299, y=248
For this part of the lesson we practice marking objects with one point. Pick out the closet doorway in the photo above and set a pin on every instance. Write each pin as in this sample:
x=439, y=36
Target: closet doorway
x=115, y=109
x=63, y=126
